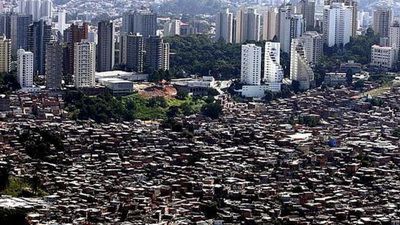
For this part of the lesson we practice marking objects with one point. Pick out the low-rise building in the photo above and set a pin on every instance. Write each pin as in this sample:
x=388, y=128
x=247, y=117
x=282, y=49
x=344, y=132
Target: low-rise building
x=383, y=56
x=118, y=86
x=334, y=79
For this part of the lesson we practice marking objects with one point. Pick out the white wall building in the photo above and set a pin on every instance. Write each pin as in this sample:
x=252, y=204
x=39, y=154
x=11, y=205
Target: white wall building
x=337, y=24
x=84, y=64
x=300, y=69
x=172, y=28
x=39, y=9
x=224, y=26
x=25, y=68
x=290, y=26
x=394, y=35
x=383, y=56
x=61, y=20
x=273, y=72
x=313, y=46
x=251, y=65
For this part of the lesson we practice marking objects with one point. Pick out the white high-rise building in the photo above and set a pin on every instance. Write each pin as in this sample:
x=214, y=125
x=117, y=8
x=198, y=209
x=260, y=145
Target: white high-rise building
x=394, y=35
x=273, y=72
x=290, y=26
x=224, y=26
x=172, y=28
x=313, y=46
x=61, y=20
x=39, y=9
x=84, y=64
x=300, y=69
x=248, y=25
x=25, y=68
x=251, y=65
x=337, y=25
x=270, y=27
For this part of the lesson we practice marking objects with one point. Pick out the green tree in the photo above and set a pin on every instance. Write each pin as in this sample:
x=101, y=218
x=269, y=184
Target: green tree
x=212, y=110
x=396, y=132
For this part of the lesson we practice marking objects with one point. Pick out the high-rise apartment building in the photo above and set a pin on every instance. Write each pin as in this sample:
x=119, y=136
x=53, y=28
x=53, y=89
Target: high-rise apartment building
x=74, y=34
x=105, y=46
x=84, y=64
x=5, y=54
x=313, y=46
x=382, y=20
x=38, y=9
x=337, y=24
x=54, y=58
x=273, y=72
x=270, y=25
x=5, y=25
x=19, y=32
x=25, y=68
x=166, y=55
x=172, y=28
x=39, y=35
x=135, y=49
x=248, y=25
x=224, y=26
x=251, y=64
x=300, y=69
x=141, y=21
x=290, y=26
x=156, y=51
x=307, y=9
x=394, y=35
x=61, y=20
x=351, y=4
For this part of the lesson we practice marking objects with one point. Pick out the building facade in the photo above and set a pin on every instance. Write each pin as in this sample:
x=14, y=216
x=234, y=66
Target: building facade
x=135, y=50
x=25, y=68
x=74, y=34
x=394, y=35
x=248, y=25
x=19, y=32
x=290, y=26
x=84, y=64
x=313, y=46
x=172, y=28
x=382, y=20
x=143, y=22
x=300, y=69
x=307, y=9
x=39, y=35
x=54, y=72
x=337, y=24
x=270, y=26
x=105, y=46
x=157, y=54
x=224, y=26
x=251, y=64
x=273, y=72
x=385, y=57
x=38, y=9
x=5, y=54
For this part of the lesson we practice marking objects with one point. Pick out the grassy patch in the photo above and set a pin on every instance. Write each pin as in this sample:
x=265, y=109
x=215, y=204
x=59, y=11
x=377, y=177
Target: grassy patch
x=19, y=187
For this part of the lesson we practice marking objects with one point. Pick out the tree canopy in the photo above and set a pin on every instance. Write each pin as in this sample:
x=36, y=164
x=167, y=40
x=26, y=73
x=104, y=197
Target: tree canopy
x=198, y=54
